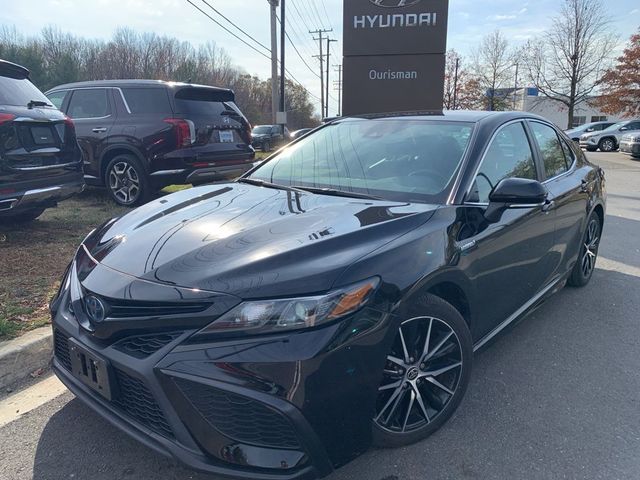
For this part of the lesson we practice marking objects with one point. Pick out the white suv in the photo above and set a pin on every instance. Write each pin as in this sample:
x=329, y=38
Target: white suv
x=608, y=140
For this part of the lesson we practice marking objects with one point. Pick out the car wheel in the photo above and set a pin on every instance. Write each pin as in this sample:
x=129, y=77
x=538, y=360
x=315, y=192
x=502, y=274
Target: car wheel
x=23, y=217
x=266, y=146
x=607, y=145
x=586, y=264
x=426, y=373
x=126, y=180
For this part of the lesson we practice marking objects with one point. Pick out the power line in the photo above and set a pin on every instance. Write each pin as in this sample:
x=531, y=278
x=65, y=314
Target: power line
x=236, y=26
x=251, y=47
x=296, y=50
x=229, y=31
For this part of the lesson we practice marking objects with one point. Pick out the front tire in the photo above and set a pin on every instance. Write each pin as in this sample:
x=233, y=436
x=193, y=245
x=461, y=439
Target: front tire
x=266, y=146
x=607, y=145
x=127, y=181
x=426, y=373
x=586, y=264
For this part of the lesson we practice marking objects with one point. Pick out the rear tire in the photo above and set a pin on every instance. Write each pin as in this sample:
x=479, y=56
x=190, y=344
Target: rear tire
x=127, y=181
x=607, y=145
x=266, y=146
x=431, y=385
x=586, y=264
x=22, y=217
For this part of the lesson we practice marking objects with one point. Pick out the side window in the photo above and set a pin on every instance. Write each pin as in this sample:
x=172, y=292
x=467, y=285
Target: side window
x=89, y=103
x=509, y=155
x=553, y=155
x=633, y=126
x=569, y=156
x=146, y=100
x=57, y=98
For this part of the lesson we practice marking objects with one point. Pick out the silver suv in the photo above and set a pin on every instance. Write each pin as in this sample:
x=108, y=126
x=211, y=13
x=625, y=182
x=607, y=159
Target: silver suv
x=608, y=140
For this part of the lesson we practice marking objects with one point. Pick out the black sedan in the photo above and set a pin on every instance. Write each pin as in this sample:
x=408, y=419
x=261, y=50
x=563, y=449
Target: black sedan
x=332, y=298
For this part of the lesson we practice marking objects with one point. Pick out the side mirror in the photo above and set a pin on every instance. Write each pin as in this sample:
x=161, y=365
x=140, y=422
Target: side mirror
x=590, y=129
x=515, y=193
x=623, y=129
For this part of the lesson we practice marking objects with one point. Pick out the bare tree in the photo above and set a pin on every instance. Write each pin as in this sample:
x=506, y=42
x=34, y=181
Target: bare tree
x=493, y=63
x=567, y=61
x=462, y=89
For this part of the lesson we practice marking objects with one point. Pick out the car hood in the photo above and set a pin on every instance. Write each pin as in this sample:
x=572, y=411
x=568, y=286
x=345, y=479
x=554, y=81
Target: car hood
x=250, y=241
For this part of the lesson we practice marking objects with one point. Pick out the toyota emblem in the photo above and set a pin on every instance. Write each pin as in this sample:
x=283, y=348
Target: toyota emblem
x=394, y=3
x=95, y=309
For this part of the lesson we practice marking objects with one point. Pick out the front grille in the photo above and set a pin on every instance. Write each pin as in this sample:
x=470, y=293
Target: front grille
x=240, y=418
x=144, y=345
x=61, y=349
x=136, y=400
x=131, y=397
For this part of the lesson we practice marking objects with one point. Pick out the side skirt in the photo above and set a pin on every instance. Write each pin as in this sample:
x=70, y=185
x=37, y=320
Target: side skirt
x=549, y=289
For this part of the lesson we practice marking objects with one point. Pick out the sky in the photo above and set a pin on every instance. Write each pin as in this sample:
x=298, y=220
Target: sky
x=469, y=21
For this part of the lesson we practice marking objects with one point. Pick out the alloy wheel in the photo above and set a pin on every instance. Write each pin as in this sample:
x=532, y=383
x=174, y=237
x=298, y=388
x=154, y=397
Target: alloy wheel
x=590, y=248
x=124, y=182
x=607, y=145
x=421, y=375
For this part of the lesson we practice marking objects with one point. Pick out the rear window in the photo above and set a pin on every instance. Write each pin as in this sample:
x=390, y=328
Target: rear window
x=147, y=100
x=19, y=91
x=202, y=101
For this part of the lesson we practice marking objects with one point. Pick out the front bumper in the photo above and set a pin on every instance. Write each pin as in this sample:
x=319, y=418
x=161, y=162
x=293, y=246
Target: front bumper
x=632, y=148
x=588, y=144
x=255, y=408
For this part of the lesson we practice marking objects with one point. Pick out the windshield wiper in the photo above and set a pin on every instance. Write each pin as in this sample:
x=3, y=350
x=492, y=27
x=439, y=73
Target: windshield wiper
x=37, y=103
x=263, y=183
x=339, y=193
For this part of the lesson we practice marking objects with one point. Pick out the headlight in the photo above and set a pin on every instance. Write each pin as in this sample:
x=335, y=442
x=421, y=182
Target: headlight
x=636, y=139
x=592, y=140
x=270, y=316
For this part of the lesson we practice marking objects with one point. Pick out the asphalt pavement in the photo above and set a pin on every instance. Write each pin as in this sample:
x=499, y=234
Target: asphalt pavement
x=555, y=397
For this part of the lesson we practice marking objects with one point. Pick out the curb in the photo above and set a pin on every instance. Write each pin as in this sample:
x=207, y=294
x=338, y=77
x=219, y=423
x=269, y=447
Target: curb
x=24, y=355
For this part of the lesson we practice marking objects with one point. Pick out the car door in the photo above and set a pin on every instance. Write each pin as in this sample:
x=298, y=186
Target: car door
x=509, y=261
x=569, y=185
x=93, y=114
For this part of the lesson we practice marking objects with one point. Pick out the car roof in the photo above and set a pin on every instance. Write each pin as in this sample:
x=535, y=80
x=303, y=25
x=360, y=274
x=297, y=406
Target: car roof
x=473, y=116
x=134, y=83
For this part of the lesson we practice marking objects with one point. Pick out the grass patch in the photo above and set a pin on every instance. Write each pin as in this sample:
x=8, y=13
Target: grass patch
x=33, y=257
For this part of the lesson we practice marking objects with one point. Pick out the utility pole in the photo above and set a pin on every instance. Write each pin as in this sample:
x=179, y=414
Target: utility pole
x=455, y=84
x=274, y=60
x=282, y=66
x=338, y=86
x=328, y=70
x=319, y=32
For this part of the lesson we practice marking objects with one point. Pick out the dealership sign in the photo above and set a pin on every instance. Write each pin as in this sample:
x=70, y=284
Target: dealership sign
x=394, y=55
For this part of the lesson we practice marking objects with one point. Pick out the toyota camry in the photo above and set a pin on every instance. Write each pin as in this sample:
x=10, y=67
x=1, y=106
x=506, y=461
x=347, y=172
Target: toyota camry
x=330, y=299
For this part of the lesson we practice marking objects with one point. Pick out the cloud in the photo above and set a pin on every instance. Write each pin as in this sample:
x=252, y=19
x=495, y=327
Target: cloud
x=499, y=18
x=634, y=11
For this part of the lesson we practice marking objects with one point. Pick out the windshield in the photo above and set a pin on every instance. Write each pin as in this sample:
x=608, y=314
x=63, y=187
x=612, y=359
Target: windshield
x=262, y=129
x=397, y=159
x=19, y=92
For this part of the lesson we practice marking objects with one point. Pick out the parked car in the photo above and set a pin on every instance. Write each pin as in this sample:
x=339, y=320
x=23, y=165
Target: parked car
x=298, y=133
x=268, y=137
x=608, y=139
x=138, y=136
x=276, y=326
x=575, y=133
x=40, y=161
x=630, y=144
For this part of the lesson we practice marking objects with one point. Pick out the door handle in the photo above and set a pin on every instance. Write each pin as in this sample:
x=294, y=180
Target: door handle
x=99, y=130
x=548, y=205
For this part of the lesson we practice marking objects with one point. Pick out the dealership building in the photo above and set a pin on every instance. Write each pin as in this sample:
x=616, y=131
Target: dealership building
x=529, y=99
